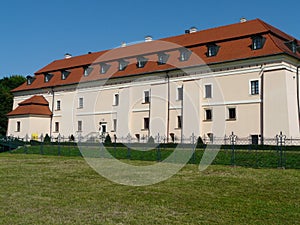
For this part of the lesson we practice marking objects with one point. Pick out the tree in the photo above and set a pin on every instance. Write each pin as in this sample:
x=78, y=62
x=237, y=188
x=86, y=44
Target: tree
x=6, y=98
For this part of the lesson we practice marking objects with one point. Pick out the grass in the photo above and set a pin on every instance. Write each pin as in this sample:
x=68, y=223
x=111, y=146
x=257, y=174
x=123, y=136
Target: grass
x=256, y=158
x=39, y=189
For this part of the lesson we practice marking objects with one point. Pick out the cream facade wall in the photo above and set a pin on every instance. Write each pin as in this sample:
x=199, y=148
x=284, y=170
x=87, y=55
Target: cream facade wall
x=273, y=109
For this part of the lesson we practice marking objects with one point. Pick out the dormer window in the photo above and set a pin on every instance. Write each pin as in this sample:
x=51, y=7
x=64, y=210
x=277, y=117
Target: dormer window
x=162, y=58
x=47, y=77
x=30, y=79
x=141, y=61
x=64, y=74
x=293, y=46
x=87, y=70
x=104, y=68
x=122, y=64
x=212, y=50
x=184, y=54
x=258, y=42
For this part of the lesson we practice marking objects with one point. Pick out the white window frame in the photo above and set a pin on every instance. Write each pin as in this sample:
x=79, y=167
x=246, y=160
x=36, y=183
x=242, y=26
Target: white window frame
x=18, y=128
x=178, y=97
x=114, y=125
x=116, y=100
x=179, y=122
x=211, y=90
x=250, y=86
x=58, y=105
x=80, y=102
x=79, y=125
x=56, y=127
x=205, y=114
x=144, y=96
x=228, y=114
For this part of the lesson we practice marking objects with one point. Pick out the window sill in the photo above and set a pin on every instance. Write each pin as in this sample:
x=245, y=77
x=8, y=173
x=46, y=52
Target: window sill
x=145, y=102
x=206, y=120
x=178, y=128
x=144, y=129
x=231, y=119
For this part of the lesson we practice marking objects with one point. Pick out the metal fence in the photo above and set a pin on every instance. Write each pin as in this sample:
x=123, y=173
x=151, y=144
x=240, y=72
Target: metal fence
x=277, y=152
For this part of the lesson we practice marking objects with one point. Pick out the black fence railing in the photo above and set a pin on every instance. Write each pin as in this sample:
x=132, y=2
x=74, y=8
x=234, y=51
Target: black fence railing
x=277, y=152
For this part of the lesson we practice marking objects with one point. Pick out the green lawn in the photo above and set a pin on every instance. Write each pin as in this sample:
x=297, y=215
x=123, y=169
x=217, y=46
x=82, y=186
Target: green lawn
x=39, y=189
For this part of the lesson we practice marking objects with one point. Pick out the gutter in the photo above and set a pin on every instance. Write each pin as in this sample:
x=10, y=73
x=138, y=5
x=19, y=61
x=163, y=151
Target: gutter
x=262, y=105
x=52, y=110
x=298, y=97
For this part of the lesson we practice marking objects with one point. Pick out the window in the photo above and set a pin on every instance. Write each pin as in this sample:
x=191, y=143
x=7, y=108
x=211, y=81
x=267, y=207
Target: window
x=56, y=128
x=231, y=113
x=254, y=87
x=58, y=105
x=115, y=125
x=179, y=122
x=146, y=96
x=293, y=46
x=179, y=94
x=18, y=126
x=87, y=70
x=116, y=99
x=184, y=54
x=104, y=68
x=141, y=61
x=146, y=123
x=258, y=42
x=212, y=50
x=79, y=126
x=208, y=114
x=162, y=58
x=30, y=79
x=64, y=74
x=208, y=90
x=47, y=77
x=122, y=64
x=80, y=103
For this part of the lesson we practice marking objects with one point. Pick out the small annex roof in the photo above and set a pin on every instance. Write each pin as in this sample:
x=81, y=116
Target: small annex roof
x=234, y=41
x=36, y=105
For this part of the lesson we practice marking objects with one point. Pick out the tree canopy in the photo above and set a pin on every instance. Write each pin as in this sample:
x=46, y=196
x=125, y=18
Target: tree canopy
x=6, y=98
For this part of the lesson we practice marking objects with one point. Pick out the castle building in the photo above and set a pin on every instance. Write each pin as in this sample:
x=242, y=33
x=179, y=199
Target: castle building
x=241, y=78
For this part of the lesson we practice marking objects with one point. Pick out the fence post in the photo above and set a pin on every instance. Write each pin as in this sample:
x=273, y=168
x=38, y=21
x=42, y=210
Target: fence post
x=280, y=144
x=58, y=143
x=194, y=149
x=128, y=148
x=232, y=141
x=158, y=156
x=42, y=145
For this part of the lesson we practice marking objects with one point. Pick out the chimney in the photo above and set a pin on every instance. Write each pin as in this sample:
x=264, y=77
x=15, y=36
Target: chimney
x=193, y=30
x=243, y=20
x=148, y=38
x=123, y=44
x=68, y=55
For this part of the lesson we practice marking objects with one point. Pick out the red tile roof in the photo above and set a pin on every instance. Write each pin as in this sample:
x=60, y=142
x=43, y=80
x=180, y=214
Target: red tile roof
x=234, y=41
x=36, y=105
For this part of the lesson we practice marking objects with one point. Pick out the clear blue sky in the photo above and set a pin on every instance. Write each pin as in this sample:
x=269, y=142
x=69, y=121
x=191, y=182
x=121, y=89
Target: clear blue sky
x=36, y=32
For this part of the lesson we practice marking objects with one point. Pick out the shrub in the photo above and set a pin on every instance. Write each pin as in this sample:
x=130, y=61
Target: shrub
x=47, y=139
x=107, y=139
x=151, y=140
x=72, y=138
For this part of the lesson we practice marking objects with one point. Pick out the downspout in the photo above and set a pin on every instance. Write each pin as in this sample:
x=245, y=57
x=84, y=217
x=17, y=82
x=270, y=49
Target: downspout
x=262, y=105
x=149, y=115
x=168, y=112
x=182, y=124
x=52, y=110
x=298, y=98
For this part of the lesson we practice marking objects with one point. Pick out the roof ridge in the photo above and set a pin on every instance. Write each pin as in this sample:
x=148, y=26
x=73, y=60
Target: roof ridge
x=275, y=30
